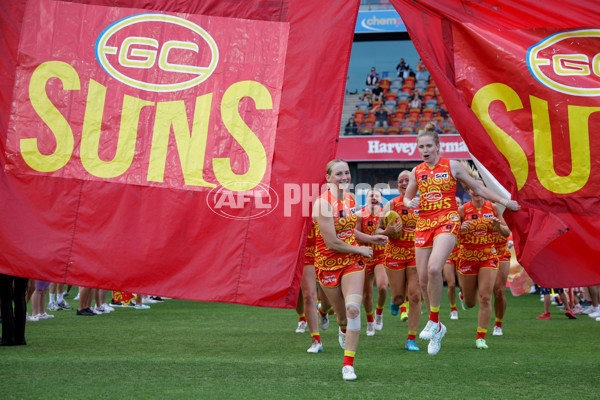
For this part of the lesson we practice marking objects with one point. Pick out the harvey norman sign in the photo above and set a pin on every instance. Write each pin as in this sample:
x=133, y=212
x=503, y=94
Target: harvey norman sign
x=396, y=148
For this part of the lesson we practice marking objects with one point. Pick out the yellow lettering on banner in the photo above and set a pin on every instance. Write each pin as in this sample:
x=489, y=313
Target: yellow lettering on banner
x=515, y=155
x=580, y=147
x=191, y=148
x=57, y=123
x=165, y=65
x=92, y=129
x=243, y=135
x=146, y=58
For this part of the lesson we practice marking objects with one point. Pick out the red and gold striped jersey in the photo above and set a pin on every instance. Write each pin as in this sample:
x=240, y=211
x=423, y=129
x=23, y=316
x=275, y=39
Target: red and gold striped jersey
x=500, y=242
x=477, y=244
x=437, y=192
x=311, y=242
x=344, y=220
x=369, y=226
x=402, y=248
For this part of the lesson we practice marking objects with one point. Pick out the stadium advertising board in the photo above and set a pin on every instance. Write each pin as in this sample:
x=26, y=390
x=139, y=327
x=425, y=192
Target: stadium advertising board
x=396, y=148
x=379, y=21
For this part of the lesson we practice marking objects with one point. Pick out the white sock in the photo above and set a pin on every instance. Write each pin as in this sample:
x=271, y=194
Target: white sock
x=60, y=297
x=52, y=298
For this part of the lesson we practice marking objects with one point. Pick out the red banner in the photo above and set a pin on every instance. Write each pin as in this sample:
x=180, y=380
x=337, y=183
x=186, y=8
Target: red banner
x=396, y=148
x=154, y=150
x=105, y=106
x=522, y=83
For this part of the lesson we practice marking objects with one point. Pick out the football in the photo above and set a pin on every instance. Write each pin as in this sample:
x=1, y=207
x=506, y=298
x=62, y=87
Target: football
x=391, y=216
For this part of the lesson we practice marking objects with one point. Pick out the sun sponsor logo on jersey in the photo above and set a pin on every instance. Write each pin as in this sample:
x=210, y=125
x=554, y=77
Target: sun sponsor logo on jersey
x=465, y=268
x=568, y=62
x=441, y=175
x=345, y=234
x=242, y=205
x=479, y=233
x=153, y=62
x=433, y=196
x=328, y=279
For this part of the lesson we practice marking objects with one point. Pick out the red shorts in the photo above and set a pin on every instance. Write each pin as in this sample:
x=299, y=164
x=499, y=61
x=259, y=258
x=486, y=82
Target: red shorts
x=425, y=238
x=396, y=265
x=451, y=261
x=370, y=263
x=473, y=267
x=333, y=278
x=309, y=256
x=504, y=256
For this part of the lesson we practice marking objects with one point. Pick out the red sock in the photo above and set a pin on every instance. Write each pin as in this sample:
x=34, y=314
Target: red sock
x=480, y=335
x=343, y=329
x=322, y=313
x=402, y=309
x=434, y=316
x=370, y=317
x=302, y=318
x=379, y=311
x=316, y=337
x=498, y=324
x=412, y=337
x=349, y=358
x=453, y=309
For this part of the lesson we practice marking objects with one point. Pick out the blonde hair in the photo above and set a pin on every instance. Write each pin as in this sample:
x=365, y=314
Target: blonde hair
x=405, y=172
x=471, y=170
x=429, y=130
x=331, y=163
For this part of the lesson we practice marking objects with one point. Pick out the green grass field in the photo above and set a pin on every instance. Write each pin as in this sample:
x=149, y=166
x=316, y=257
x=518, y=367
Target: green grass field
x=190, y=350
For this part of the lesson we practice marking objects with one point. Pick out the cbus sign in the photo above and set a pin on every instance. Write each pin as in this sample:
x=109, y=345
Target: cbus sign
x=153, y=99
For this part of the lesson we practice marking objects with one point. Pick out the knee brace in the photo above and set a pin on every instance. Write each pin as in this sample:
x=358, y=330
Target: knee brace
x=353, y=323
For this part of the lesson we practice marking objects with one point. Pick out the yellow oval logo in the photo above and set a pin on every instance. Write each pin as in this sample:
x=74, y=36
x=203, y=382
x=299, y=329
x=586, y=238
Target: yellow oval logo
x=157, y=52
x=568, y=62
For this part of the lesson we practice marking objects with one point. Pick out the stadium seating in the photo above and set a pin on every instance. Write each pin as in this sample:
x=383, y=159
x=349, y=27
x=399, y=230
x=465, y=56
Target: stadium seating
x=410, y=122
x=359, y=116
x=369, y=122
x=403, y=105
x=400, y=114
x=427, y=113
x=414, y=113
x=396, y=121
x=393, y=130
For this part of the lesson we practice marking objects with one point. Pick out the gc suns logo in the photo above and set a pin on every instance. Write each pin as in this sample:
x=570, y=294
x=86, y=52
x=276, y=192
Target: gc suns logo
x=568, y=62
x=157, y=52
